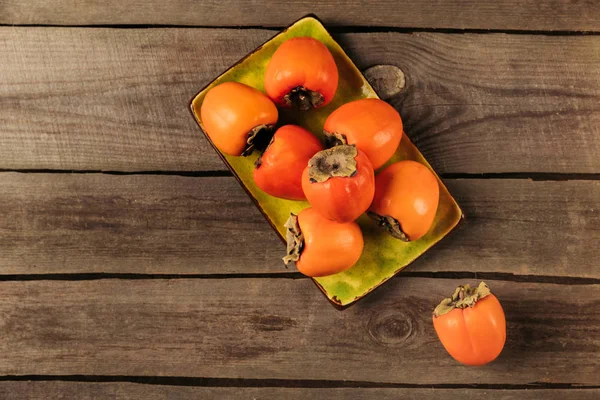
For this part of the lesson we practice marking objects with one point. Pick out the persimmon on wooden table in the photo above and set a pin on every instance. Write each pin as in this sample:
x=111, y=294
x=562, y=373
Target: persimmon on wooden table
x=133, y=266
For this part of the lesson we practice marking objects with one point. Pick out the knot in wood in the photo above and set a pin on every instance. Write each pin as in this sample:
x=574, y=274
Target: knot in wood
x=391, y=327
x=387, y=80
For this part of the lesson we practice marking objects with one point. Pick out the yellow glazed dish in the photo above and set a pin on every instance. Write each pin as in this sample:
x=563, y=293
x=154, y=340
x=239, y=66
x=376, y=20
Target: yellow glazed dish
x=383, y=256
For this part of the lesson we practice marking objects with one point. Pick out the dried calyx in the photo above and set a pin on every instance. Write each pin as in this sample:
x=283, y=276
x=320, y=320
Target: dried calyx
x=259, y=138
x=338, y=161
x=463, y=297
x=390, y=224
x=303, y=99
x=334, y=139
x=258, y=161
x=295, y=240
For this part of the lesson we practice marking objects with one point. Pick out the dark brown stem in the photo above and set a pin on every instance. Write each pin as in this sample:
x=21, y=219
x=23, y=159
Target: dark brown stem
x=463, y=297
x=390, y=224
x=259, y=138
x=339, y=161
x=258, y=161
x=303, y=99
x=295, y=240
x=334, y=139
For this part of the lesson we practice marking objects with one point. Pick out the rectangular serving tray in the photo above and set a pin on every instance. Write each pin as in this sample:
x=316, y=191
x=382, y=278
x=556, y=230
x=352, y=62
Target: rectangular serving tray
x=383, y=256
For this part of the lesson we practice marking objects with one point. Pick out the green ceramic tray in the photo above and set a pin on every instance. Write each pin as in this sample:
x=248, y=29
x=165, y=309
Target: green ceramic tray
x=383, y=256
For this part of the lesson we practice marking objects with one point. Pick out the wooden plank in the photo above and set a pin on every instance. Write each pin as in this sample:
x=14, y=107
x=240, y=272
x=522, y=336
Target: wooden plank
x=274, y=329
x=73, y=223
x=62, y=223
x=462, y=14
x=49, y=390
x=116, y=99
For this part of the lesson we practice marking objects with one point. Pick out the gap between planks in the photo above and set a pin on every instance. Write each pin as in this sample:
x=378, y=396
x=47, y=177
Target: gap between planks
x=330, y=28
x=280, y=383
x=534, y=176
x=497, y=276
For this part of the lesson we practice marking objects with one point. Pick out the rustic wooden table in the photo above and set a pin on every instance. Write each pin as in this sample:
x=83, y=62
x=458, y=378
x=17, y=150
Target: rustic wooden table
x=134, y=266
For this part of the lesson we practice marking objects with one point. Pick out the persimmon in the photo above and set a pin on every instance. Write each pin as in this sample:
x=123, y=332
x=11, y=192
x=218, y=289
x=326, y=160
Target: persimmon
x=319, y=246
x=471, y=325
x=406, y=200
x=373, y=125
x=301, y=73
x=238, y=118
x=339, y=183
x=278, y=171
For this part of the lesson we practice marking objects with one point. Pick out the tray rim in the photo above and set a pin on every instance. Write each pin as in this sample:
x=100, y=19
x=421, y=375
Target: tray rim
x=336, y=303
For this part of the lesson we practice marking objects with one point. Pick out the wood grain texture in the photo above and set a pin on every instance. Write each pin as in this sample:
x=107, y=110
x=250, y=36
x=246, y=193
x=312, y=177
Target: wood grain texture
x=146, y=224
x=132, y=391
x=61, y=223
x=462, y=14
x=274, y=329
x=116, y=99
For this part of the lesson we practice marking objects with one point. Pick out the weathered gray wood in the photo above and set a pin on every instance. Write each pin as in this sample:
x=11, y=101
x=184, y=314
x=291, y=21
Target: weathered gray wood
x=145, y=224
x=114, y=99
x=69, y=223
x=285, y=329
x=488, y=14
x=133, y=391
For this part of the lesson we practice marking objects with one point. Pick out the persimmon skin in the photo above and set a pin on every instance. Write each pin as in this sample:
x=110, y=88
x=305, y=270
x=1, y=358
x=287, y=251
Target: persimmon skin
x=473, y=336
x=409, y=192
x=230, y=111
x=301, y=62
x=280, y=171
x=373, y=125
x=329, y=247
x=342, y=199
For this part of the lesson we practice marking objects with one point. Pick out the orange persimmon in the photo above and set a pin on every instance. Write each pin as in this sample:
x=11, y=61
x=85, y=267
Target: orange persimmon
x=301, y=73
x=406, y=199
x=278, y=171
x=339, y=183
x=322, y=247
x=471, y=325
x=237, y=118
x=373, y=125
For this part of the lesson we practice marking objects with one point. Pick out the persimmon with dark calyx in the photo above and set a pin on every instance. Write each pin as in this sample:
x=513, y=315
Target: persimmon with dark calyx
x=302, y=73
x=471, y=325
x=406, y=200
x=319, y=246
x=278, y=171
x=339, y=183
x=238, y=118
x=373, y=125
